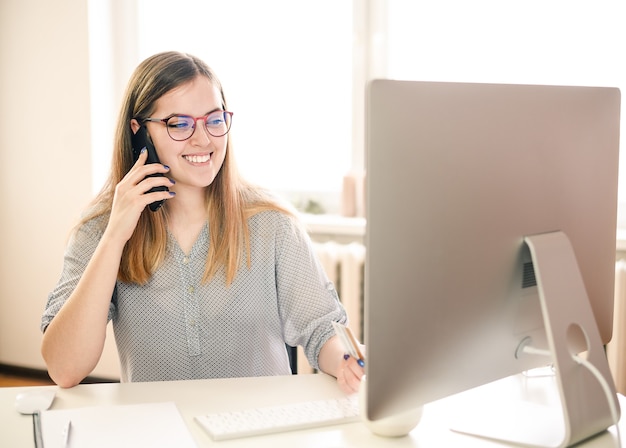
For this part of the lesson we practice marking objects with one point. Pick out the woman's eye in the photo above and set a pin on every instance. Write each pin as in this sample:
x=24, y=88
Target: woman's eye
x=178, y=123
x=215, y=120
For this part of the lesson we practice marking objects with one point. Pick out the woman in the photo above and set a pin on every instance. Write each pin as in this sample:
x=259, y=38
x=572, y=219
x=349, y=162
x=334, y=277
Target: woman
x=213, y=283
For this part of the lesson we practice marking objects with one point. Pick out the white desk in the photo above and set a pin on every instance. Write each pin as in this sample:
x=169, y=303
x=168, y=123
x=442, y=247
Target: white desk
x=197, y=397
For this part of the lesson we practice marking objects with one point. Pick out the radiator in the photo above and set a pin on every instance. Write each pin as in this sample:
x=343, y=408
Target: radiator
x=616, y=349
x=344, y=265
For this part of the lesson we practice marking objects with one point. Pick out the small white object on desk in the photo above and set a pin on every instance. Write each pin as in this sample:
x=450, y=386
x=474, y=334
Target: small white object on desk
x=33, y=402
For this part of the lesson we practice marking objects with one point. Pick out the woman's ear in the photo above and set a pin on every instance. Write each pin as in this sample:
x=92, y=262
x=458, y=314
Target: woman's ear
x=134, y=125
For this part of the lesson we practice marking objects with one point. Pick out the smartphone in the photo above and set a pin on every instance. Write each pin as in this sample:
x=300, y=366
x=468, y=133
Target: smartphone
x=140, y=140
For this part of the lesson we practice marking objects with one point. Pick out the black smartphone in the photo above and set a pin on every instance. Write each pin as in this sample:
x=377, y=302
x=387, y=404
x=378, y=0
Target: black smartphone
x=140, y=140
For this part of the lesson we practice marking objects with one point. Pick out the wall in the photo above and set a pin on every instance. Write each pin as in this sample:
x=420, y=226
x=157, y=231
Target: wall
x=45, y=162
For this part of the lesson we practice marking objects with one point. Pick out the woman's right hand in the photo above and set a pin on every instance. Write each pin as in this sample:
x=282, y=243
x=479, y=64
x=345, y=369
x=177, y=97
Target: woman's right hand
x=130, y=197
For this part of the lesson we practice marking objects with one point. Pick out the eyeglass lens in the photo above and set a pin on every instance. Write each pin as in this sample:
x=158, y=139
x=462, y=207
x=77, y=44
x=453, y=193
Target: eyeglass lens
x=181, y=127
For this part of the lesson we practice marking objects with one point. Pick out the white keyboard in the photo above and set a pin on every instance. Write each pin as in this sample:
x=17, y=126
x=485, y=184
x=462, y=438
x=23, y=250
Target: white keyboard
x=273, y=419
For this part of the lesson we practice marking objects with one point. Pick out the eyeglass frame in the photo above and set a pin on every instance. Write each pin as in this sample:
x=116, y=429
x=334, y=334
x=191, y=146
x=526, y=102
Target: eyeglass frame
x=195, y=120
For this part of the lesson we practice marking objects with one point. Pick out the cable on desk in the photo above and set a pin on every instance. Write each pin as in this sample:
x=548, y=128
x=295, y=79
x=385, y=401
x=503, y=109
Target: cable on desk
x=607, y=391
x=594, y=370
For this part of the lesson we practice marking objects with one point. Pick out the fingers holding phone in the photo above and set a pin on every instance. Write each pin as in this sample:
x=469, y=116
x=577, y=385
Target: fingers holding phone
x=143, y=185
x=147, y=183
x=151, y=178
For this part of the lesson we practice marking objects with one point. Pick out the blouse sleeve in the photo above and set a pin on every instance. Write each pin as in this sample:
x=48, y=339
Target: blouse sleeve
x=78, y=252
x=308, y=301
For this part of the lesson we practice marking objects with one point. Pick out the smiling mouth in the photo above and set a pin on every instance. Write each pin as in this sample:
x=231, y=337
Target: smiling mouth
x=198, y=159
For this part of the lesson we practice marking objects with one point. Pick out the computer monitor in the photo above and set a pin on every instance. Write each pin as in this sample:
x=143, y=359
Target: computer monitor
x=461, y=178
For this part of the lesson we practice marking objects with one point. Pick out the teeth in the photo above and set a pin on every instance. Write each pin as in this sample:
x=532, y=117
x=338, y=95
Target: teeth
x=198, y=159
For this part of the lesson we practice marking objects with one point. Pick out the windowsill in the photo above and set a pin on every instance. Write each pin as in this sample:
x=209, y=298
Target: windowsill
x=334, y=228
x=344, y=229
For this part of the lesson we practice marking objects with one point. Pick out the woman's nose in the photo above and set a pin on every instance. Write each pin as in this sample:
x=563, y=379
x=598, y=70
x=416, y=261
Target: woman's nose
x=200, y=136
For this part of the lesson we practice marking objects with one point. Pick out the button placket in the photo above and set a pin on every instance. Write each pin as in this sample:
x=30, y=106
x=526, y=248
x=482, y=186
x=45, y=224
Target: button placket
x=191, y=307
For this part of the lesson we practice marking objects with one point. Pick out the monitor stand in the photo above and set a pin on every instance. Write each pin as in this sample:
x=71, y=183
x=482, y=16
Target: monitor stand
x=569, y=321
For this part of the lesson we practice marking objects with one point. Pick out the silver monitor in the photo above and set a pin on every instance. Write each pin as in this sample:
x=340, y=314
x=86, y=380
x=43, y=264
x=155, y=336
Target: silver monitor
x=459, y=177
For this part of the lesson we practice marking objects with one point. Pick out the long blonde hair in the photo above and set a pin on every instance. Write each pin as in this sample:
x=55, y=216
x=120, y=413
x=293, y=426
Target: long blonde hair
x=230, y=200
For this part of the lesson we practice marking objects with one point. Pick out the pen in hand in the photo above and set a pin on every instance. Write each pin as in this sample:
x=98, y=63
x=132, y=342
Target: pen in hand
x=350, y=343
x=360, y=358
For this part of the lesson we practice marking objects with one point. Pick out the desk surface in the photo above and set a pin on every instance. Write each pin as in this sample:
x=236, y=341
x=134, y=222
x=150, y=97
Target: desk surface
x=202, y=396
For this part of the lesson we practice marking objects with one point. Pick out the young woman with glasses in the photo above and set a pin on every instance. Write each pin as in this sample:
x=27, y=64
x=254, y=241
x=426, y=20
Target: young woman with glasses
x=211, y=284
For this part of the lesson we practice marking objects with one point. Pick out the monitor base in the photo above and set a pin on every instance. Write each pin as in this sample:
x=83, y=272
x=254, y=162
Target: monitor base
x=585, y=409
x=394, y=426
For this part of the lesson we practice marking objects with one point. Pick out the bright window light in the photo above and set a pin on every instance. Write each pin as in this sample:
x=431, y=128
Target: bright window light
x=286, y=68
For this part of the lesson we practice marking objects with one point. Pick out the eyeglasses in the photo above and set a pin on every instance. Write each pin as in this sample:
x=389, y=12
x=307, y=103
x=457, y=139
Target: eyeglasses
x=182, y=127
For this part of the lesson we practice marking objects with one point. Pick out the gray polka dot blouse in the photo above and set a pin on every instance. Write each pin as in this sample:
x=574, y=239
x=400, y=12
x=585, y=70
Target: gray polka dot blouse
x=176, y=327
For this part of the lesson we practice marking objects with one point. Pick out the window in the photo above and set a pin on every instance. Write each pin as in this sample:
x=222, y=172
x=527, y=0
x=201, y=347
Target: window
x=306, y=63
x=286, y=68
